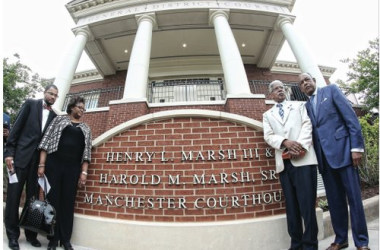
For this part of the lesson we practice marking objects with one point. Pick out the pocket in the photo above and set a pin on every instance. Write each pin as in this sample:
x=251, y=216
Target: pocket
x=340, y=133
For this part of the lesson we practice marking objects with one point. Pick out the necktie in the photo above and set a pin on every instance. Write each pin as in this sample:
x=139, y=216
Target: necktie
x=280, y=110
x=313, y=102
x=47, y=107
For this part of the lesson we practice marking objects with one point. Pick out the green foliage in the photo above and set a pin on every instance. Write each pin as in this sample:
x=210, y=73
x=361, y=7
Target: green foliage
x=19, y=83
x=363, y=75
x=323, y=204
x=369, y=172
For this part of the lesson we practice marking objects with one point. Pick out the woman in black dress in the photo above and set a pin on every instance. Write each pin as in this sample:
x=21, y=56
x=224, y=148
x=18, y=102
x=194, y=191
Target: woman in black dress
x=66, y=151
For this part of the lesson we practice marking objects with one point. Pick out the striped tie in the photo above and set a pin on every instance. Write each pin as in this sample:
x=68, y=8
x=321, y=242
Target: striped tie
x=280, y=110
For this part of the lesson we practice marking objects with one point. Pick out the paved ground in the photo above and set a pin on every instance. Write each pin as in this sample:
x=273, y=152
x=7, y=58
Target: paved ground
x=24, y=245
x=373, y=230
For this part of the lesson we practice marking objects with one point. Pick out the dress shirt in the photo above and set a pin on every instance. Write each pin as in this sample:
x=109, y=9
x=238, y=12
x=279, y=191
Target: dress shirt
x=45, y=115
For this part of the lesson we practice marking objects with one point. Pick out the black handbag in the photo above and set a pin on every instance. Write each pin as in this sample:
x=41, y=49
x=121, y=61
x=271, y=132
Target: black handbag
x=39, y=216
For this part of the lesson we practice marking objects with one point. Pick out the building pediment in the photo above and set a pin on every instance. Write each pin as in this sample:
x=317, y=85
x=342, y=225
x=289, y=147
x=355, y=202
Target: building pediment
x=113, y=26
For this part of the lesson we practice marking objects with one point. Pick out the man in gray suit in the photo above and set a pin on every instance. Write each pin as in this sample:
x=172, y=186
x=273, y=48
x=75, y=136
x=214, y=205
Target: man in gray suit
x=287, y=128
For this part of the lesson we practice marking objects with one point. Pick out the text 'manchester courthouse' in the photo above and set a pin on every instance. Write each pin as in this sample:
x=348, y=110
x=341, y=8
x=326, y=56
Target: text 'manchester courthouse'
x=175, y=106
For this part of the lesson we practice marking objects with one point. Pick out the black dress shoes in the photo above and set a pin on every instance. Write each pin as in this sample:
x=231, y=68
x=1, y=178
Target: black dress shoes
x=67, y=246
x=13, y=244
x=34, y=242
x=52, y=245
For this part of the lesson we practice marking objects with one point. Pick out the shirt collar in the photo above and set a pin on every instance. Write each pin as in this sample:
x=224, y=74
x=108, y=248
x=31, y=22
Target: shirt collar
x=283, y=103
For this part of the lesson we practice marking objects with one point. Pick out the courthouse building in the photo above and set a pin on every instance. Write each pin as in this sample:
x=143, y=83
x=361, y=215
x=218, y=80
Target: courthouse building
x=175, y=106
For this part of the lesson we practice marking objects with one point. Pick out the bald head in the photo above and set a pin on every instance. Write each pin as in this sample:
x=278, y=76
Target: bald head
x=306, y=83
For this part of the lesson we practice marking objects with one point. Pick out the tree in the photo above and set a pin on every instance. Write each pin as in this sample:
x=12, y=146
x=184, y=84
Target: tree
x=363, y=75
x=19, y=83
x=369, y=172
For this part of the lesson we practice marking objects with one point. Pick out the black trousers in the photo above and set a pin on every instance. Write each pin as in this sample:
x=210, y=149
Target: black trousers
x=63, y=178
x=28, y=176
x=299, y=185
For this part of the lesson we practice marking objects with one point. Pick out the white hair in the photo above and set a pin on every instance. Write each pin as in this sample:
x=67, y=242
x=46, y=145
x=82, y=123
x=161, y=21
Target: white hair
x=270, y=87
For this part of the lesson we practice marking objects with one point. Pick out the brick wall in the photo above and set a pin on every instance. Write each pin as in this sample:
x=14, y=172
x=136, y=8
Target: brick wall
x=109, y=81
x=111, y=191
x=102, y=121
x=119, y=113
x=97, y=121
x=240, y=200
x=252, y=108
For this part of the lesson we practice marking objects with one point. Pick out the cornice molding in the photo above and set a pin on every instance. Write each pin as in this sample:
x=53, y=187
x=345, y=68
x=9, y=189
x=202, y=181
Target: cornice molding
x=293, y=67
x=87, y=73
x=90, y=7
x=73, y=7
x=86, y=5
x=86, y=76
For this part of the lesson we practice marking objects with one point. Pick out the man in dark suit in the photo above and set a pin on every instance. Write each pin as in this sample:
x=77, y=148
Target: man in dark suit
x=21, y=158
x=339, y=146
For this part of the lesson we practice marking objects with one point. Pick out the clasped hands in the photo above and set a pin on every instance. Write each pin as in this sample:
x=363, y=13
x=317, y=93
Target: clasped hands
x=294, y=148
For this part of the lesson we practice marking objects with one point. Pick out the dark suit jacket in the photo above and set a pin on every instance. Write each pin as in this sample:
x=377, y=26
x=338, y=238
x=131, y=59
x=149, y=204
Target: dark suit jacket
x=336, y=128
x=26, y=133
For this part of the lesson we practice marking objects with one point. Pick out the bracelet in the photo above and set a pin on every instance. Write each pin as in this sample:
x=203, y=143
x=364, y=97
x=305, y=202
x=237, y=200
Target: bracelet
x=84, y=172
x=41, y=165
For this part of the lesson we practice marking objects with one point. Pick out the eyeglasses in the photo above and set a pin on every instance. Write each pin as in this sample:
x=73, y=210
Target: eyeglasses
x=81, y=108
x=52, y=94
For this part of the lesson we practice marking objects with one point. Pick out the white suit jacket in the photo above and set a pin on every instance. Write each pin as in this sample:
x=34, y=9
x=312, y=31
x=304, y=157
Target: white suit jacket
x=296, y=126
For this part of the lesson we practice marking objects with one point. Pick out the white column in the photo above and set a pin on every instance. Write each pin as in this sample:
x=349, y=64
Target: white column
x=303, y=55
x=137, y=76
x=69, y=65
x=233, y=67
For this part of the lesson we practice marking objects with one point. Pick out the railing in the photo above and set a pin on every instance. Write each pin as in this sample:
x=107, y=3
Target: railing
x=97, y=98
x=185, y=90
x=293, y=92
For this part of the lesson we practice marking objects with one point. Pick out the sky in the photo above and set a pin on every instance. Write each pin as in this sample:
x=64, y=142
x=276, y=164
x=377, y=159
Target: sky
x=40, y=32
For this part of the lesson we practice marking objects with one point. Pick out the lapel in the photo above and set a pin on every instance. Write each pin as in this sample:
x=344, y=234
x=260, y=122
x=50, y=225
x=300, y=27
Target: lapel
x=309, y=109
x=276, y=114
x=319, y=98
x=288, y=106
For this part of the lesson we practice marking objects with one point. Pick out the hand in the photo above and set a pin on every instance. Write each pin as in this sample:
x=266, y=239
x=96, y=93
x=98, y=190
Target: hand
x=82, y=180
x=41, y=171
x=294, y=154
x=356, y=158
x=5, y=132
x=9, y=163
x=292, y=146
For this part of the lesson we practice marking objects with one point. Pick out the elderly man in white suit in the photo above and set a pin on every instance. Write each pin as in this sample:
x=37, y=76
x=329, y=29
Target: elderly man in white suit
x=288, y=129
